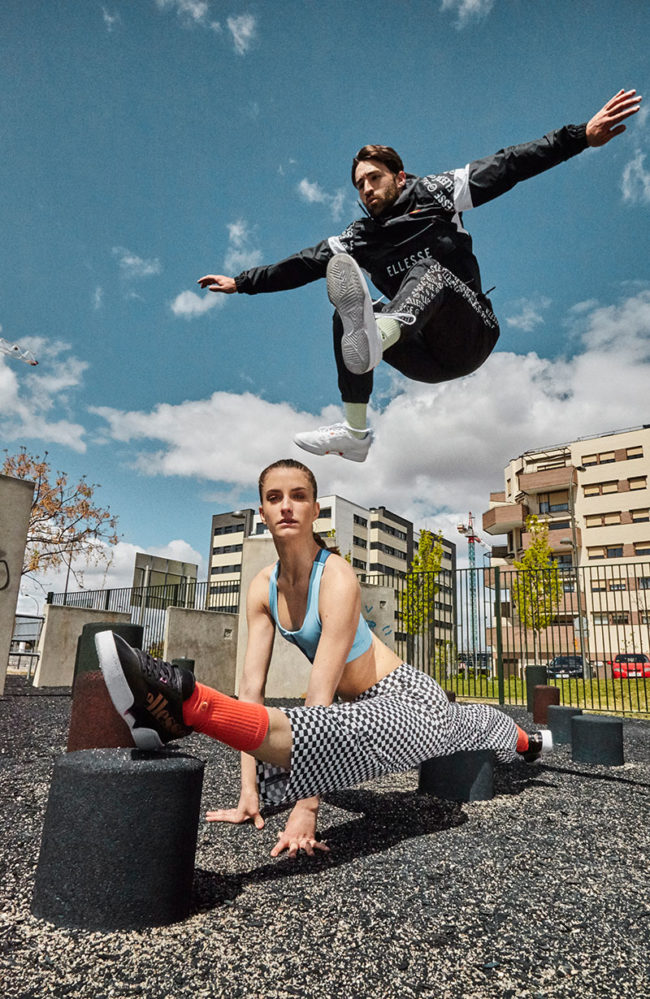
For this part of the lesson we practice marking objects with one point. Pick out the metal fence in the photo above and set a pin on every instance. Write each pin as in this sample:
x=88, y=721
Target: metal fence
x=590, y=628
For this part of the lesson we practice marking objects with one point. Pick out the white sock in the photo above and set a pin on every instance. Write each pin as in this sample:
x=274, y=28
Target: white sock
x=389, y=329
x=355, y=417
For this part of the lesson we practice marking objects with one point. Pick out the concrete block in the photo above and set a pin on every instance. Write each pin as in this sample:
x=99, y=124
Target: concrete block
x=559, y=721
x=543, y=696
x=119, y=840
x=464, y=776
x=597, y=739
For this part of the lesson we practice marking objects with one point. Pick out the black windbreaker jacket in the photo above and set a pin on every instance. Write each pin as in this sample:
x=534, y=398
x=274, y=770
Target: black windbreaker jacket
x=425, y=222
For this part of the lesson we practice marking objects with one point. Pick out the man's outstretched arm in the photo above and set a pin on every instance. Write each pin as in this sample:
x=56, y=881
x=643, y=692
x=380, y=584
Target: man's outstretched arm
x=485, y=179
x=292, y=272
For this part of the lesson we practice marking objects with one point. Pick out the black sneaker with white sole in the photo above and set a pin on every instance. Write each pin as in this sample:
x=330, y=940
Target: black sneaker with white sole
x=539, y=743
x=147, y=692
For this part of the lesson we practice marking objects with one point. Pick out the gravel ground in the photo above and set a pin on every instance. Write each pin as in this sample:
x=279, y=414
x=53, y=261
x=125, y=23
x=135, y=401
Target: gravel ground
x=540, y=893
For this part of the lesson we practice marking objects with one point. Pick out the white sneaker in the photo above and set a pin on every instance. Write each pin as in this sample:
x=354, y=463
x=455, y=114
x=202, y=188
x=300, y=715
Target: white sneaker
x=337, y=439
x=348, y=292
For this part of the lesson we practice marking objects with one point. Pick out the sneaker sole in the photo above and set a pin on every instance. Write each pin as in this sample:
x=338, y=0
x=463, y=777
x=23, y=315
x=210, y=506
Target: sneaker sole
x=314, y=449
x=347, y=291
x=120, y=693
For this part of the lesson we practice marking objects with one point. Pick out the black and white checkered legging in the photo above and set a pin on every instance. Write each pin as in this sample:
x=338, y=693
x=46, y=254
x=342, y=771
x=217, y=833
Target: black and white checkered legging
x=391, y=727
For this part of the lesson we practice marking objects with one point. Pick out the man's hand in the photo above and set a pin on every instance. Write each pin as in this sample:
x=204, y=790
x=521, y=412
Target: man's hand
x=300, y=831
x=248, y=809
x=218, y=282
x=607, y=122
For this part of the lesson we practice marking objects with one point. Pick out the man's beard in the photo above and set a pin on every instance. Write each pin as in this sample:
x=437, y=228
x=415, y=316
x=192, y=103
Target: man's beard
x=385, y=201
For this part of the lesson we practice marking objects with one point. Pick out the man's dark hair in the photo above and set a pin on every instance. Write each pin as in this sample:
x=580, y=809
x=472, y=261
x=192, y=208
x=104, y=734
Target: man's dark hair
x=385, y=155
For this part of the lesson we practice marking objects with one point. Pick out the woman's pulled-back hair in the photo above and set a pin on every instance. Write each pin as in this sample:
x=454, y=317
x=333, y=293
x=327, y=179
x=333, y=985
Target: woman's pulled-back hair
x=385, y=155
x=299, y=467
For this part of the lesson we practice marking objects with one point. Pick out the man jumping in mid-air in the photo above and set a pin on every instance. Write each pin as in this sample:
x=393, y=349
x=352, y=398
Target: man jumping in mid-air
x=437, y=323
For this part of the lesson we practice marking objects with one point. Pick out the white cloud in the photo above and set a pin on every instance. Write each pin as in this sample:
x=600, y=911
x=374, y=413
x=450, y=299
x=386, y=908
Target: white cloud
x=468, y=10
x=133, y=266
x=110, y=19
x=635, y=182
x=98, y=298
x=243, y=30
x=241, y=252
x=188, y=304
x=313, y=193
x=439, y=450
x=34, y=401
x=529, y=315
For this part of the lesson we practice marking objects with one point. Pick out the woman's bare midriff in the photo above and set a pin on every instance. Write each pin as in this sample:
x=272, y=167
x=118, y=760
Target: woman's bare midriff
x=366, y=670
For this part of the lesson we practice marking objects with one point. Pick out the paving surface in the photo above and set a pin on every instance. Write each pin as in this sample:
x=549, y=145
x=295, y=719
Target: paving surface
x=541, y=893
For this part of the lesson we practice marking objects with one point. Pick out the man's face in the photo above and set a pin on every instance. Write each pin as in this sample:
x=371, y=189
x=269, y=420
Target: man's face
x=378, y=186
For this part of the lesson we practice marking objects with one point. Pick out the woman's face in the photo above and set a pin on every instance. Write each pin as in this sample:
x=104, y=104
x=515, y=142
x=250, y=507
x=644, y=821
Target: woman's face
x=289, y=507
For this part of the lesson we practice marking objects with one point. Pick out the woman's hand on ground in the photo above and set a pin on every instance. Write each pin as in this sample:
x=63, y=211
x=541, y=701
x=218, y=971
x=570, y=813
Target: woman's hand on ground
x=300, y=834
x=247, y=810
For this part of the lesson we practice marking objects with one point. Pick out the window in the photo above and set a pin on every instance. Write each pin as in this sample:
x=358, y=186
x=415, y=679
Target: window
x=642, y=548
x=596, y=553
x=592, y=490
x=261, y=529
x=559, y=525
x=219, y=570
x=229, y=529
x=600, y=619
x=616, y=551
x=617, y=584
x=325, y=513
x=602, y=519
x=590, y=459
x=638, y=482
x=620, y=617
x=358, y=564
x=606, y=457
x=609, y=487
x=360, y=520
x=598, y=586
x=638, y=516
x=223, y=549
x=645, y=617
x=360, y=542
x=634, y=452
x=643, y=582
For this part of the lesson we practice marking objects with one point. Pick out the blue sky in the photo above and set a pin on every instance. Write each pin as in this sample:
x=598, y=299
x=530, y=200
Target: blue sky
x=148, y=142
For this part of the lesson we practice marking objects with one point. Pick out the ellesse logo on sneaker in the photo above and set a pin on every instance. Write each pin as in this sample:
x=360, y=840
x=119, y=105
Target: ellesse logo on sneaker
x=157, y=706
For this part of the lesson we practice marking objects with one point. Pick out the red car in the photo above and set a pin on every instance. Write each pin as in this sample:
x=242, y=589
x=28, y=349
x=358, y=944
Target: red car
x=631, y=665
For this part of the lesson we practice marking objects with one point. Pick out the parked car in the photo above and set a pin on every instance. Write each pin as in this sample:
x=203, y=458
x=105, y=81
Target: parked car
x=630, y=664
x=563, y=666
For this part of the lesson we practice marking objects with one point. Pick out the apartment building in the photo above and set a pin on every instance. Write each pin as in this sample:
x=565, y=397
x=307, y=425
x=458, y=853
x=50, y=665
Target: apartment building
x=594, y=494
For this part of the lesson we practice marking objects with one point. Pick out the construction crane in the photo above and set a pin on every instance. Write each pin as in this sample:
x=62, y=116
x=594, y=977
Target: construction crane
x=467, y=530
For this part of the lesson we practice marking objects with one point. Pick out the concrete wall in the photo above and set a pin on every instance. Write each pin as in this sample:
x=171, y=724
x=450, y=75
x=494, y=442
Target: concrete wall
x=207, y=637
x=289, y=670
x=15, y=506
x=58, y=642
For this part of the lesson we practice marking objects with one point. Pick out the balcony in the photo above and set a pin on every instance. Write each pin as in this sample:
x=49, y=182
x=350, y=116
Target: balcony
x=555, y=539
x=547, y=481
x=501, y=519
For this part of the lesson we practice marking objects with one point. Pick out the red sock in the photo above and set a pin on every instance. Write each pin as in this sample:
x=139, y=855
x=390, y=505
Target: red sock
x=239, y=724
x=522, y=740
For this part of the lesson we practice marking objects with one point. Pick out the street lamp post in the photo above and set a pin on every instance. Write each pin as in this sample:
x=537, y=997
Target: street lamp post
x=573, y=542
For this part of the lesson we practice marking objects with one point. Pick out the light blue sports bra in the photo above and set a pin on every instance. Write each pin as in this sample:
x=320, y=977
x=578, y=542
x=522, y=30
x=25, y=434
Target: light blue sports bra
x=308, y=635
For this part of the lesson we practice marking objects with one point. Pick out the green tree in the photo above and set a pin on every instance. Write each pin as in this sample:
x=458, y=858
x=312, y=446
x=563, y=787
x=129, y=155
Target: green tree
x=417, y=599
x=536, y=587
x=65, y=522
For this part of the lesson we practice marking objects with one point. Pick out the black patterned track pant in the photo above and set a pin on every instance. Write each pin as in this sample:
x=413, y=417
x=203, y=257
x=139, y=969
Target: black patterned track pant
x=454, y=332
x=394, y=726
